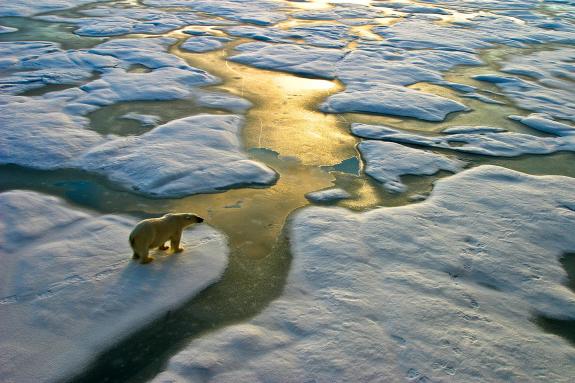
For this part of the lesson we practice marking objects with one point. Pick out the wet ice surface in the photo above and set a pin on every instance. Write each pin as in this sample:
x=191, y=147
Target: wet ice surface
x=70, y=288
x=448, y=295
x=441, y=290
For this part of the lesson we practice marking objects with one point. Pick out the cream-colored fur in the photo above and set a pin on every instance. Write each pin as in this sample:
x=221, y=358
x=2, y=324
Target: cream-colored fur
x=155, y=232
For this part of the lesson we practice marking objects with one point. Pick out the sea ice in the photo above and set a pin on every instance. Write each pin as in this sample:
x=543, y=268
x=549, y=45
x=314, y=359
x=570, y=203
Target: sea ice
x=33, y=7
x=328, y=195
x=443, y=290
x=262, y=12
x=545, y=123
x=547, y=88
x=221, y=100
x=478, y=140
x=392, y=100
x=479, y=33
x=292, y=58
x=343, y=14
x=36, y=132
x=5, y=29
x=144, y=119
x=199, y=44
x=70, y=289
x=385, y=67
x=197, y=154
x=387, y=161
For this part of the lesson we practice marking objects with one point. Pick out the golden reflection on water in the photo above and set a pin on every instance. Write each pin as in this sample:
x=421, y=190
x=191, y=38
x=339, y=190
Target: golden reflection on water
x=284, y=117
x=283, y=130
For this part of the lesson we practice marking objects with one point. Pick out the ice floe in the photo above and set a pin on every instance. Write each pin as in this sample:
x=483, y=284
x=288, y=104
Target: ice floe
x=5, y=29
x=36, y=64
x=545, y=123
x=446, y=289
x=115, y=21
x=33, y=7
x=388, y=161
x=263, y=12
x=481, y=32
x=199, y=44
x=38, y=133
x=191, y=155
x=393, y=100
x=547, y=88
x=187, y=156
x=347, y=13
x=292, y=58
x=51, y=131
x=70, y=289
x=477, y=140
x=328, y=195
x=144, y=119
x=385, y=67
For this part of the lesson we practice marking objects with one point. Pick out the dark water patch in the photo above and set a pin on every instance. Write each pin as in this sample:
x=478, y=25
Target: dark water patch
x=568, y=263
x=351, y=166
x=42, y=90
x=564, y=328
x=80, y=188
x=38, y=30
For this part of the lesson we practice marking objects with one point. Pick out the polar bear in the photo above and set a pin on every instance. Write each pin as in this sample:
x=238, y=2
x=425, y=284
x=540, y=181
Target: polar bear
x=155, y=232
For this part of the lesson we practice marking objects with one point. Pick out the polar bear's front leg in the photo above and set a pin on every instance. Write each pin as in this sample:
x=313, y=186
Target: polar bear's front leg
x=145, y=258
x=175, y=242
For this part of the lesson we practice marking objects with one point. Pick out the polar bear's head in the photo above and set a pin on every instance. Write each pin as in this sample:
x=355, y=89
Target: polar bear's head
x=185, y=219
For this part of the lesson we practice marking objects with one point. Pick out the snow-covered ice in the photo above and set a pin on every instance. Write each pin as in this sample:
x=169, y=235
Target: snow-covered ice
x=292, y=58
x=374, y=75
x=546, y=83
x=346, y=14
x=197, y=154
x=187, y=156
x=114, y=21
x=478, y=140
x=38, y=133
x=388, y=161
x=33, y=7
x=5, y=29
x=199, y=44
x=51, y=131
x=393, y=100
x=144, y=119
x=262, y=12
x=70, y=289
x=443, y=290
x=545, y=123
x=328, y=195
x=479, y=33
